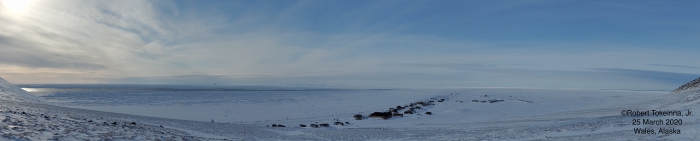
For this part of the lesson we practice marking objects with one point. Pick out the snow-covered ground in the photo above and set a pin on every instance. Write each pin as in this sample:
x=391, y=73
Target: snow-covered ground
x=515, y=114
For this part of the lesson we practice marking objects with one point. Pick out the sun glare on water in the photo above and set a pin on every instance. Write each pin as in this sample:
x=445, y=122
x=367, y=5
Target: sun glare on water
x=30, y=89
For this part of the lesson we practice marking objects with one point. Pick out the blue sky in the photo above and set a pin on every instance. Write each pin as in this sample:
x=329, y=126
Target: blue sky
x=650, y=45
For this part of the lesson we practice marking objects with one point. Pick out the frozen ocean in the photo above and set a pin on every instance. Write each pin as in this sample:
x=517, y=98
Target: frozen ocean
x=179, y=112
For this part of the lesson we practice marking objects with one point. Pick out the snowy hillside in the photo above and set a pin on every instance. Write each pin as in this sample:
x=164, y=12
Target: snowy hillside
x=10, y=92
x=25, y=116
x=695, y=84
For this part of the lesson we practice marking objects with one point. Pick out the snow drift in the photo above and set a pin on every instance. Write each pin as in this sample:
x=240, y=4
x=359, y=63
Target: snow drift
x=10, y=92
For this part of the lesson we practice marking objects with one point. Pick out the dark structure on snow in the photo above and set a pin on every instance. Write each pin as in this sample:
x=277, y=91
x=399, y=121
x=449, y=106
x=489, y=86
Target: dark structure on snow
x=358, y=117
x=383, y=115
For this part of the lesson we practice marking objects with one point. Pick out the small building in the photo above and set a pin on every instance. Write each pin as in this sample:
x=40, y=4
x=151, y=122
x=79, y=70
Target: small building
x=383, y=115
x=495, y=100
x=325, y=125
x=357, y=117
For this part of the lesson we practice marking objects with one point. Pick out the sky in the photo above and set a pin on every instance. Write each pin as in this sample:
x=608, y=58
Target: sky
x=644, y=45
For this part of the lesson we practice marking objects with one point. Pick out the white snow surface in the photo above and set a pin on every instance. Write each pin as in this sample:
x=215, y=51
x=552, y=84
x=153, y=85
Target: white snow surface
x=523, y=114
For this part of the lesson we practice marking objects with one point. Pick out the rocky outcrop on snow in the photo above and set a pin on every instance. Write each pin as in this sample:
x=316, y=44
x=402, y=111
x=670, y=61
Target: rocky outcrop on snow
x=688, y=93
x=695, y=84
x=10, y=92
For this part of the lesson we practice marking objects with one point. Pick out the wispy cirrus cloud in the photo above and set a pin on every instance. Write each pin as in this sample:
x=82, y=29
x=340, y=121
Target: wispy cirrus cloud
x=675, y=66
